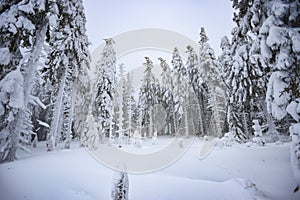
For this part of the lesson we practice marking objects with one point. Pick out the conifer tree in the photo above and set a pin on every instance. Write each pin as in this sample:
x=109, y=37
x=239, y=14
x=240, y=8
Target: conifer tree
x=12, y=110
x=168, y=99
x=104, y=88
x=182, y=90
x=120, y=104
x=69, y=48
x=23, y=26
x=273, y=26
x=148, y=96
x=129, y=104
x=215, y=87
x=198, y=86
x=240, y=87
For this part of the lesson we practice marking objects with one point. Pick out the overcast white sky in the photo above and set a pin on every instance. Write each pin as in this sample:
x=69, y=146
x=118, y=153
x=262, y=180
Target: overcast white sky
x=107, y=18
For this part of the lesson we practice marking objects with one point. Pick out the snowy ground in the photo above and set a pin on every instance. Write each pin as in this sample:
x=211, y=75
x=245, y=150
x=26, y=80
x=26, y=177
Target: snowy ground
x=237, y=172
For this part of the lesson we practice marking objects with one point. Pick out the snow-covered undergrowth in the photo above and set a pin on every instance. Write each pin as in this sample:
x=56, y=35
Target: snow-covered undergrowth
x=237, y=172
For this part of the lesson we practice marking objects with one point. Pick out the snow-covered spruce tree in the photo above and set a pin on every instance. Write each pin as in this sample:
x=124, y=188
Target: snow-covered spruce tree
x=240, y=87
x=82, y=88
x=147, y=96
x=39, y=11
x=282, y=52
x=120, y=186
x=249, y=18
x=240, y=84
x=168, y=99
x=69, y=48
x=104, y=88
x=12, y=116
x=24, y=25
x=120, y=104
x=233, y=115
x=294, y=110
x=79, y=59
x=280, y=39
x=203, y=65
x=224, y=63
x=273, y=25
x=182, y=91
x=259, y=75
x=215, y=86
x=199, y=88
x=129, y=104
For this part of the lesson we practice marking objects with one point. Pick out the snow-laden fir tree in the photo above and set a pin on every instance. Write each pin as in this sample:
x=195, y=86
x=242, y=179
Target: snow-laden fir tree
x=234, y=121
x=83, y=82
x=69, y=53
x=147, y=96
x=205, y=59
x=240, y=87
x=32, y=62
x=273, y=25
x=294, y=110
x=129, y=104
x=240, y=82
x=224, y=62
x=120, y=104
x=282, y=52
x=280, y=48
x=168, y=99
x=215, y=86
x=104, y=88
x=12, y=109
x=249, y=18
x=233, y=116
x=23, y=25
x=199, y=88
x=259, y=76
x=182, y=91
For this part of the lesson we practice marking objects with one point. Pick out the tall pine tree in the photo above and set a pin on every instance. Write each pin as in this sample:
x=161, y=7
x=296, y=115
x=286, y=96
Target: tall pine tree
x=210, y=75
x=182, y=90
x=23, y=25
x=105, y=88
x=69, y=54
x=168, y=99
x=148, y=97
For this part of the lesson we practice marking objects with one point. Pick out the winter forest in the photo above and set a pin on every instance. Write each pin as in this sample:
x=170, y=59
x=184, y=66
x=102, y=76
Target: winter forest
x=55, y=104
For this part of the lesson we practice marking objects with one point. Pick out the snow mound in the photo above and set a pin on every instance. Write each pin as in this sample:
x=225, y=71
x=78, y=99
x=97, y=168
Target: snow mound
x=186, y=188
x=236, y=172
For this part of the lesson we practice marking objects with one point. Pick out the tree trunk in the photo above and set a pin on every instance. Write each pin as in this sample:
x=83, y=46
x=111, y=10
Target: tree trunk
x=56, y=118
